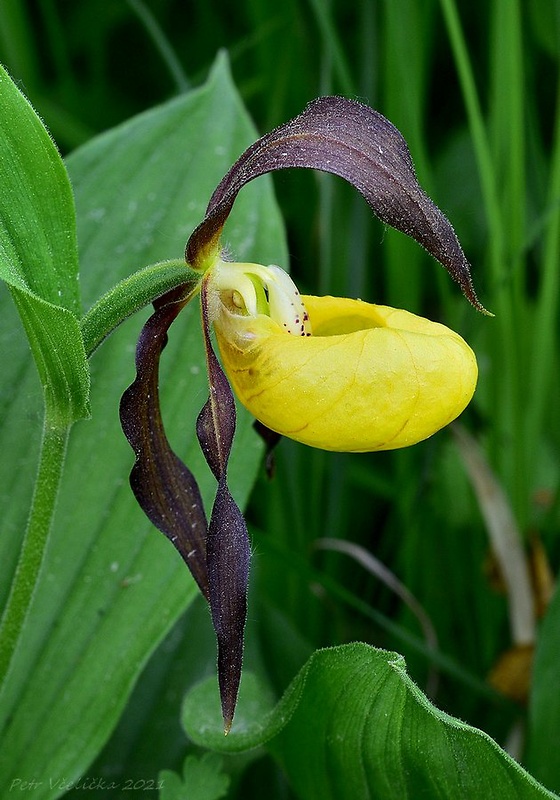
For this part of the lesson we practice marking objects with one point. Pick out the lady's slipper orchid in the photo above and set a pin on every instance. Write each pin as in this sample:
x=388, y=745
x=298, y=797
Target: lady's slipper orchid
x=352, y=376
x=330, y=372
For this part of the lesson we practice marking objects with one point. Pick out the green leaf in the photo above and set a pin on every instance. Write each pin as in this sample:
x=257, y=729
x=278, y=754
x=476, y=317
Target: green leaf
x=353, y=724
x=544, y=708
x=38, y=253
x=112, y=586
x=57, y=346
x=256, y=717
x=37, y=221
x=202, y=779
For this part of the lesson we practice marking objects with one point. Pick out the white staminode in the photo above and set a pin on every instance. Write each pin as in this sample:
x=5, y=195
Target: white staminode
x=255, y=289
x=285, y=303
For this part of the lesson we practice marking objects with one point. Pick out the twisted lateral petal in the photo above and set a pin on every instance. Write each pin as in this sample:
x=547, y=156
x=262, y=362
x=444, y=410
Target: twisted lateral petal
x=370, y=377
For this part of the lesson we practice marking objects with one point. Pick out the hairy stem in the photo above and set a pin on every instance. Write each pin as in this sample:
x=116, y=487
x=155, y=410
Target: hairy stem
x=51, y=462
x=130, y=295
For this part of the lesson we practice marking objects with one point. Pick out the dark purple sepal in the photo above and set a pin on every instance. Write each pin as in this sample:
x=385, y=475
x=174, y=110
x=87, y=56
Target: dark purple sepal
x=164, y=488
x=355, y=142
x=227, y=548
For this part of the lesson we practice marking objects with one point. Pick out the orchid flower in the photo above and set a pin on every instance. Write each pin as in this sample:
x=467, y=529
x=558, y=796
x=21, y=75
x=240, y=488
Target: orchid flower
x=333, y=373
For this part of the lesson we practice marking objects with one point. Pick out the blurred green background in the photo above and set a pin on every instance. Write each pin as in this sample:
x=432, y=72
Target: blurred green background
x=474, y=88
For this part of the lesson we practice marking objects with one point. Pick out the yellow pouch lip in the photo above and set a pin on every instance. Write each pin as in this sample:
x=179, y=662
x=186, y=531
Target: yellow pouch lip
x=369, y=378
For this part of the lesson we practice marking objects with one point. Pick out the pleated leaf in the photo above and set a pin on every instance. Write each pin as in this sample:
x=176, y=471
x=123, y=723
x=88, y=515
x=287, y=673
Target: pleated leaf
x=353, y=724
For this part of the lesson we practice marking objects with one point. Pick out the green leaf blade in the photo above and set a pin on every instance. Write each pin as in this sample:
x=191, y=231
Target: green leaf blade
x=353, y=724
x=56, y=343
x=38, y=244
x=39, y=254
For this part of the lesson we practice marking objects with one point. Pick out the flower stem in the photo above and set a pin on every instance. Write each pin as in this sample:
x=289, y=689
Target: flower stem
x=130, y=295
x=51, y=461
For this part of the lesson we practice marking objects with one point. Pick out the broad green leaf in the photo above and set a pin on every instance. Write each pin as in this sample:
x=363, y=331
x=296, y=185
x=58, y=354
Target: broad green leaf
x=38, y=253
x=544, y=708
x=112, y=586
x=149, y=737
x=353, y=724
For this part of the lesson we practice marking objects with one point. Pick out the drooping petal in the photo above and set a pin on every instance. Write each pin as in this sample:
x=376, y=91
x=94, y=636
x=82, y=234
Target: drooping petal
x=228, y=555
x=369, y=378
x=228, y=550
x=353, y=141
x=216, y=422
x=164, y=488
x=217, y=553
